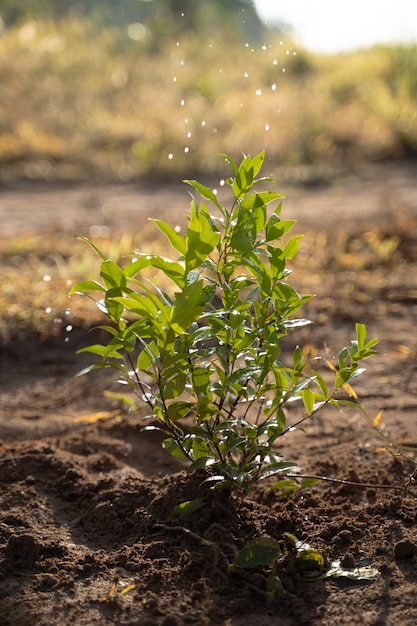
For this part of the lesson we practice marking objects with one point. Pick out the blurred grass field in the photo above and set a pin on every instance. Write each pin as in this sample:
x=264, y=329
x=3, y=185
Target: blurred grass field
x=80, y=104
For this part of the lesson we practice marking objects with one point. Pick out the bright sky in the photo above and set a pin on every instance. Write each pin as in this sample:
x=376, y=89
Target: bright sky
x=335, y=25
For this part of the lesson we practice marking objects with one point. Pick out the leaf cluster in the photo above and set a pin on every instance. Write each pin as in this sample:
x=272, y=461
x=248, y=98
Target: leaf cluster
x=205, y=357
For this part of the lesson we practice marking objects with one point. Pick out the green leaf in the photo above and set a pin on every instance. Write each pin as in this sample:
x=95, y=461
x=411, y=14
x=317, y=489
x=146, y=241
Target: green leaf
x=94, y=247
x=205, y=192
x=177, y=241
x=309, y=563
x=112, y=275
x=201, y=463
x=257, y=162
x=258, y=553
x=179, y=409
x=308, y=400
x=200, y=239
x=230, y=161
x=260, y=199
x=361, y=335
x=86, y=286
x=187, y=307
x=292, y=246
x=173, y=270
x=188, y=507
x=200, y=380
x=174, y=448
x=277, y=228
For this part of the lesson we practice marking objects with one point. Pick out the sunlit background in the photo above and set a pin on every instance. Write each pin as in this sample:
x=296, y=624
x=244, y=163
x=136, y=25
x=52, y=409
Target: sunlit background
x=329, y=26
x=131, y=89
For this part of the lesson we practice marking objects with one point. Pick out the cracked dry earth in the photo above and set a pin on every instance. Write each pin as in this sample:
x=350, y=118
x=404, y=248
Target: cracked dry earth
x=87, y=531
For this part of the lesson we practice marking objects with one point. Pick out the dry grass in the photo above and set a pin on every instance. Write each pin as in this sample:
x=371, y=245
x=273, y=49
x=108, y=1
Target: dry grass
x=365, y=260
x=77, y=103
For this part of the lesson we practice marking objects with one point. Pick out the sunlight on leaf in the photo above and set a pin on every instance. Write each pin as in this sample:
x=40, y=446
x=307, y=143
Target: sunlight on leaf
x=258, y=553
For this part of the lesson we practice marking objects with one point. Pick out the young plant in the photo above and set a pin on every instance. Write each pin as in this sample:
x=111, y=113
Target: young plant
x=204, y=356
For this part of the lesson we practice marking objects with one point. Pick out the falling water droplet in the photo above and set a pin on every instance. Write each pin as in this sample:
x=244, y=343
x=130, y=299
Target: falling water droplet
x=275, y=62
x=258, y=92
x=266, y=126
x=47, y=278
x=189, y=135
x=68, y=328
x=186, y=149
x=182, y=103
x=203, y=123
x=48, y=309
x=170, y=156
x=274, y=86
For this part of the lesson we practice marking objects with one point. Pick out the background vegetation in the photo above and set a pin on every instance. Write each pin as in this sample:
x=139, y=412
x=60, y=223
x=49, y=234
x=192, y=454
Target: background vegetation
x=155, y=89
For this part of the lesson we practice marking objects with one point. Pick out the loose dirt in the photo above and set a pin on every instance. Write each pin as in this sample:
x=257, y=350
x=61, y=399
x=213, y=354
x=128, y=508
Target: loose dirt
x=88, y=533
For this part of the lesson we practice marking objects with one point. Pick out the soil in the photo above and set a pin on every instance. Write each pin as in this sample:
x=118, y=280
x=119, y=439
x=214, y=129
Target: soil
x=88, y=533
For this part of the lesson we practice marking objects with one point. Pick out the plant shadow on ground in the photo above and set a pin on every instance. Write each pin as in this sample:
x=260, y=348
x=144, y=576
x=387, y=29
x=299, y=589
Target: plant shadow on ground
x=87, y=529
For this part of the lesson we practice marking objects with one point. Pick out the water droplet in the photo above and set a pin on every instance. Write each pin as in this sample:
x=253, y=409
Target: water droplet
x=182, y=103
x=222, y=182
x=48, y=309
x=67, y=311
x=68, y=328
x=258, y=92
x=275, y=62
x=189, y=134
x=178, y=43
x=266, y=126
x=274, y=86
x=215, y=192
x=177, y=228
x=57, y=320
x=47, y=278
x=137, y=31
x=246, y=75
x=125, y=172
x=186, y=149
x=203, y=123
x=174, y=80
x=66, y=340
x=170, y=156
x=264, y=47
x=283, y=69
x=181, y=62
